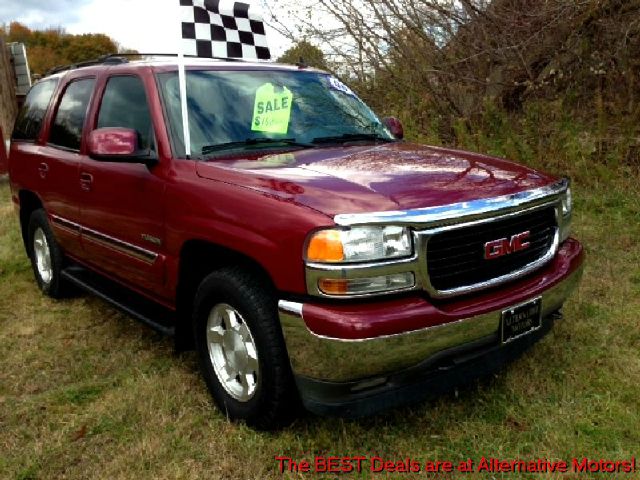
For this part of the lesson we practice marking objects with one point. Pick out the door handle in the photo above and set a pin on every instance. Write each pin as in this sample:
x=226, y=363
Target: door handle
x=86, y=180
x=43, y=168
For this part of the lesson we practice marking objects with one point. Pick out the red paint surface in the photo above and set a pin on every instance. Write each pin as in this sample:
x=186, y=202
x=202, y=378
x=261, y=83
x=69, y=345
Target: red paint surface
x=355, y=179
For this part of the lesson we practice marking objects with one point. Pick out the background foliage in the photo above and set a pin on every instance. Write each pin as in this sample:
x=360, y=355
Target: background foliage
x=49, y=48
x=553, y=83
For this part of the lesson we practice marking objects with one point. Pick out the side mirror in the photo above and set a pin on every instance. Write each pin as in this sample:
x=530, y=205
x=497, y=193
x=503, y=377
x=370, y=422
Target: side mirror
x=118, y=145
x=395, y=127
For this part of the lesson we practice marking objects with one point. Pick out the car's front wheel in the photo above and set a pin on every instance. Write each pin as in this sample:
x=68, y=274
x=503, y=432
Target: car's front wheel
x=233, y=353
x=241, y=349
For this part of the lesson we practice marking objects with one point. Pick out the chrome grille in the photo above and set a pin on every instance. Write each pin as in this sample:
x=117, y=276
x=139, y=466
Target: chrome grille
x=455, y=258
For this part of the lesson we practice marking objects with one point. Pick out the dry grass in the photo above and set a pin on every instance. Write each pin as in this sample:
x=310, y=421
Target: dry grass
x=87, y=393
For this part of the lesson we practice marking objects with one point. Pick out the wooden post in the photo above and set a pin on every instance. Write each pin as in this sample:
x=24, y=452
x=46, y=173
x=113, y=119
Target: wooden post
x=8, y=101
x=3, y=155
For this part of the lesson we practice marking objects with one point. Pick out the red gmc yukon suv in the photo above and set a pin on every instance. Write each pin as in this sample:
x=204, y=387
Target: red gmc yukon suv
x=302, y=248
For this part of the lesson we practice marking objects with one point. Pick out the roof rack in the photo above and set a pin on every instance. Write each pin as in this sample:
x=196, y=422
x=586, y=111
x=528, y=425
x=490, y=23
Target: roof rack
x=135, y=54
x=112, y=59
x=120, y=58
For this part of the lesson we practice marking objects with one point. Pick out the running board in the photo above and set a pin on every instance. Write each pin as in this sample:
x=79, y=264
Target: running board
x=149, y=313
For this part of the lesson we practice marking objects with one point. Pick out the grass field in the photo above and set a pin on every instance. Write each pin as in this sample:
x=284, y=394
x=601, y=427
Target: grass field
x=86, y=392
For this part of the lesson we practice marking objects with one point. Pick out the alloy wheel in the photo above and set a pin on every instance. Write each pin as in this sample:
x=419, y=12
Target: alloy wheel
x=233, y=352
x=42, y=256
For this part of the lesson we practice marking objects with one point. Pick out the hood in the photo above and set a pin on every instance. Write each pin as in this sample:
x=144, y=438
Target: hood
x=359, y=179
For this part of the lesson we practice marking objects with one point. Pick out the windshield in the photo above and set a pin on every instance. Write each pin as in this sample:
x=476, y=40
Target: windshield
x=229, y=110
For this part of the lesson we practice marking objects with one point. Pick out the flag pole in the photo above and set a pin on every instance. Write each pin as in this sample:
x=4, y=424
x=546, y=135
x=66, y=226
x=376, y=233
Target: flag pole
x=182, y=79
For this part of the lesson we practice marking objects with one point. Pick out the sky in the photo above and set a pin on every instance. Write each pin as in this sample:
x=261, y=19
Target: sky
x=148, y=26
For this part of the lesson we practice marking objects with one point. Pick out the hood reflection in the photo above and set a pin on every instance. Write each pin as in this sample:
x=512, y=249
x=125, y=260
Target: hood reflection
x=386, y=177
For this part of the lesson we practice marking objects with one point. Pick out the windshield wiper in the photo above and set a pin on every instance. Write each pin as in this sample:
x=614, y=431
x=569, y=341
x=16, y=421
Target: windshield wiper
x=352, y=137
x=250, y=142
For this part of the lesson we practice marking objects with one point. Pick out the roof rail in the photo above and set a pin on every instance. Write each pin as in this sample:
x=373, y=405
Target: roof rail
x=120, y=58
x=111, y=59
x=134, y=54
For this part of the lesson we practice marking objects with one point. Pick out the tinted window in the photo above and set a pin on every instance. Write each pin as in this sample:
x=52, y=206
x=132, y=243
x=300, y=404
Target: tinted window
x=67, y=127
x=30, y=118
x=124, y=105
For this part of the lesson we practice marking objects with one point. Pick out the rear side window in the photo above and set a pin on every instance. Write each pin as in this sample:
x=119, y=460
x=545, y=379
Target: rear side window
x=125, y=105
x=29, y=121
x=66, y=130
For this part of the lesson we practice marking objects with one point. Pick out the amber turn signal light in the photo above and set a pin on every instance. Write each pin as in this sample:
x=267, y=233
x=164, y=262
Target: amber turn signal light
x=334, y=286
x=368, y=285
x=325, y=246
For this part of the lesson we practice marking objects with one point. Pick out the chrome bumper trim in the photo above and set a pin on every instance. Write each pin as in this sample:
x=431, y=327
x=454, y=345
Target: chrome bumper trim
x=290, y=308
x=340, y=360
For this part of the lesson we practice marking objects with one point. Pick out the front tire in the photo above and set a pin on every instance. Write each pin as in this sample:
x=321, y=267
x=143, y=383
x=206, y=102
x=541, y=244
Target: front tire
x=46, y=255
x=241, y=349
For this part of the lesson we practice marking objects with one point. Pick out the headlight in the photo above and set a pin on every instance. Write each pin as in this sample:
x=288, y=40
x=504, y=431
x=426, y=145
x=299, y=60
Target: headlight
x=567, y=203
x=359, y=244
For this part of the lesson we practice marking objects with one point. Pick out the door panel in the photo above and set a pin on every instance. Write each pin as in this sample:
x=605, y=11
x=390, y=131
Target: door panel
x=123, y=219
x=122, y=210
x=61, y=194
x=56, y=167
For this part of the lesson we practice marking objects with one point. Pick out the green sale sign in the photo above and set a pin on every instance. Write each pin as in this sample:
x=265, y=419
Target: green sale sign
x=272, y=109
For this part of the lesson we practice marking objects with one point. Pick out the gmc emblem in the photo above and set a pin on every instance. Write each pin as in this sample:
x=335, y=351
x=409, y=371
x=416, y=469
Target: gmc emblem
x=506, y=246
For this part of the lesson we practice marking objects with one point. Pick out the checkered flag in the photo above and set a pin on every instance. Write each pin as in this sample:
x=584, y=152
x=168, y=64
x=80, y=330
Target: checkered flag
x=222, y=29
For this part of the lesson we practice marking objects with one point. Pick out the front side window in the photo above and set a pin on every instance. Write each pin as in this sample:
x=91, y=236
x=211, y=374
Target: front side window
x=66, y=130
x=231, y=107
x=124, y=105
x=29, y=121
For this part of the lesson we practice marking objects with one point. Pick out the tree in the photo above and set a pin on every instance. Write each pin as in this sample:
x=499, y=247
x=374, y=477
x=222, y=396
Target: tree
x=443, y=61
x=90, y=46
x=307, y=52
x=53, y=47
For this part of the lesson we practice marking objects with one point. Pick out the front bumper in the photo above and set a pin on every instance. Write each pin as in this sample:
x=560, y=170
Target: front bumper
x=359, y=346
x=433, y=377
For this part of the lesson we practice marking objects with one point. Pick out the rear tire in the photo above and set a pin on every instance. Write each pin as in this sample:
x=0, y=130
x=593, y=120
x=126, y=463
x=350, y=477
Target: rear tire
x=241, y=349
x=46, y=256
